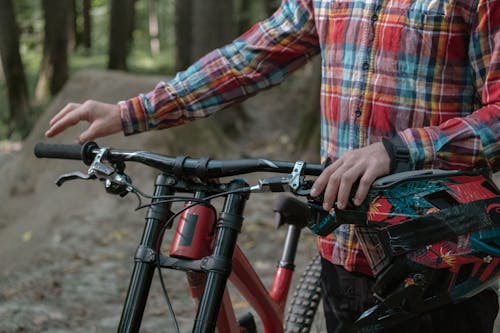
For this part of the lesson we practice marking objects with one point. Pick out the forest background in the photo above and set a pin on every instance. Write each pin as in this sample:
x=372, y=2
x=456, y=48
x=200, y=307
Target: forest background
x=66, y=252
x=43, y=43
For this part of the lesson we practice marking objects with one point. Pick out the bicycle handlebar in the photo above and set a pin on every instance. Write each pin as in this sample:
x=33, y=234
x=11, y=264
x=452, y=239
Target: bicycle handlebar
x=180, y=165
x=68, y=152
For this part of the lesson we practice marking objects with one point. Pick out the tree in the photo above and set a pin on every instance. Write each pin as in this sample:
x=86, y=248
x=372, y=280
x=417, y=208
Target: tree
x=154, y=30
x=201, y=26
x=120, y=33
x=183, y=33
x=309, y=130
x=82, y=24
x=213, y=27
x=270, y=6
x=212, y=23
x=244, y=16
x=72, y=28
x=13, y=70
x=54, y=69
x=85, y=34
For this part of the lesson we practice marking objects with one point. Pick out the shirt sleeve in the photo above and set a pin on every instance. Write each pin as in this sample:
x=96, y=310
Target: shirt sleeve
x=259, y=59
x=473, y=140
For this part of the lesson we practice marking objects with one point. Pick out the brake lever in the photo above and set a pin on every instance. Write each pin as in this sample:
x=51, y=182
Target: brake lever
x=289, y=183
x=72, y=176
x=98, y=168
x=294, y=182
x=115, y=180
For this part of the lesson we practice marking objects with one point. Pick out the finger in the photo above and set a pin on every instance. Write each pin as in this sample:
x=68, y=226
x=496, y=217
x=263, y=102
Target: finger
x=91, y=133
x=321, y=182
x=365, y=184
x=345, y=186
x=68, y=108
x=331, y=190
x=70, y=119
x=100, y=127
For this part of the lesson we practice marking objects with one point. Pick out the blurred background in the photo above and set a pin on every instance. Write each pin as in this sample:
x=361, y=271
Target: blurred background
x=43, y=43
x=66, y=252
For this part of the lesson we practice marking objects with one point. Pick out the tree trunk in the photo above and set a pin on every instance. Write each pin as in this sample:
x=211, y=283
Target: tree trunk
x=183, y=33
x=244, y=16
x=212, y=25
x=72, y=26
x=13, y=70
x=309, y=131
x=154, y=31
x=2, y=76
x=54, y=70
x=270, y=6
x=87, y=25
x=120, y=35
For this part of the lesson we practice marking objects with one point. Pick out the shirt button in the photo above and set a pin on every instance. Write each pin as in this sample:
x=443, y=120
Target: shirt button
x=358, y=113
x=365, y=66
x=374, y=18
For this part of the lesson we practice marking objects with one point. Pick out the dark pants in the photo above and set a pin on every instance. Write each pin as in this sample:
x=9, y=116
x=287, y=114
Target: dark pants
x=346, y=295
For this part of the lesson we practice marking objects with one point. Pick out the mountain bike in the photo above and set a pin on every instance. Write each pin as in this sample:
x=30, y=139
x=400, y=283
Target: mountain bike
x=204, y=244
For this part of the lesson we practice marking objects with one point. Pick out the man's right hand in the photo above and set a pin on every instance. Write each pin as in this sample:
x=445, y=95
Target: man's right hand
x=104, y=120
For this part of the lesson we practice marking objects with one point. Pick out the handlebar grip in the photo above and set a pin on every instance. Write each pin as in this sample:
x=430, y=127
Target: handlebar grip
x=51, y=150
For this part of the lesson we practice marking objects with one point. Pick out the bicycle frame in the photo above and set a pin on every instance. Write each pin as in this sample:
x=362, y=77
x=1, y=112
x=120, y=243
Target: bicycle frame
x=209, y=263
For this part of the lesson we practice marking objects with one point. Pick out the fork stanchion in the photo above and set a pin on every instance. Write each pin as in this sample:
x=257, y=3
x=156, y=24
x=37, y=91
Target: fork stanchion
x=145, y=260
x=218, y=265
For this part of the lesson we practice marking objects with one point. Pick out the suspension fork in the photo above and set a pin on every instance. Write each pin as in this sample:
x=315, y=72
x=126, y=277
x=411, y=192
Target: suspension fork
x=218, y=265
x=145, y=259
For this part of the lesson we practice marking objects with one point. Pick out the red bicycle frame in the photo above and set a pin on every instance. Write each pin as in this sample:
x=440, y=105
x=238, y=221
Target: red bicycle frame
x=193, y=240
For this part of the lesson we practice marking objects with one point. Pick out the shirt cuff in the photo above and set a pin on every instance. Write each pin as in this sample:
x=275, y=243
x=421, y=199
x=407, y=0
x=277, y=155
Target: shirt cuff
x=133, y=116
x=420, y=147
x=157, y=109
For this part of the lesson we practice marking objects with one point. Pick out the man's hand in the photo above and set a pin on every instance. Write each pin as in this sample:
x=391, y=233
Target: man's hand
x=104, y=120
x=364, y=164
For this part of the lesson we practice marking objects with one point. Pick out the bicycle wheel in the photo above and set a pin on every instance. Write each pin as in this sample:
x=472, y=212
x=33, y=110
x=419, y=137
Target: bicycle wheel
x=303, y=310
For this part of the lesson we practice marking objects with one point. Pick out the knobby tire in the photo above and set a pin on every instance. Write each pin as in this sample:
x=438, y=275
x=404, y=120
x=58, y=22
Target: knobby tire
x=305, y=300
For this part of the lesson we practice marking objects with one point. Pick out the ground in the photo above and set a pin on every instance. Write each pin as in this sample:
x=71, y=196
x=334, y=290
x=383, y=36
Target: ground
x=67, y=252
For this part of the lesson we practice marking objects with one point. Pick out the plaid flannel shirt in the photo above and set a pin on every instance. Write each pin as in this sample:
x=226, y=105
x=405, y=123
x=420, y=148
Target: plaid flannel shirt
x=426, y=70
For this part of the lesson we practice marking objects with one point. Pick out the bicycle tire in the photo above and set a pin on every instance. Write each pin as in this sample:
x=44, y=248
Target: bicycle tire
x=305, y=299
